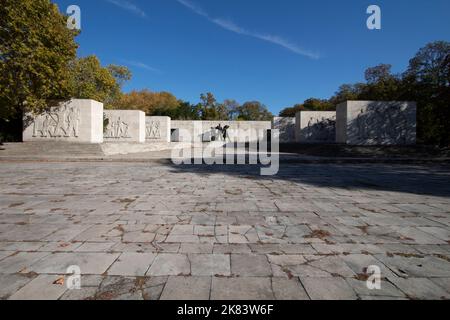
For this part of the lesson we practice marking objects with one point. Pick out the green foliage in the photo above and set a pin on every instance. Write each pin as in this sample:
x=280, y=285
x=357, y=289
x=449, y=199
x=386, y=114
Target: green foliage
x=120, y=73
x=35, y=50
x=209, y=107
x=254, y=111
x=427, y=81
x=311, y=104
x=152, y=103
x=89, y=80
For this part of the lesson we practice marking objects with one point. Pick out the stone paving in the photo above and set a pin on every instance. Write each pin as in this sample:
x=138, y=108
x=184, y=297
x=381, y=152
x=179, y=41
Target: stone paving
x=158, y=231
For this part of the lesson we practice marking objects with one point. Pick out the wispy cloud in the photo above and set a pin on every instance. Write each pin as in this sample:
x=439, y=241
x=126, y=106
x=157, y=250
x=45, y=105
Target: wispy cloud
x=141, y=65
x=231, y=26
x=129, y=6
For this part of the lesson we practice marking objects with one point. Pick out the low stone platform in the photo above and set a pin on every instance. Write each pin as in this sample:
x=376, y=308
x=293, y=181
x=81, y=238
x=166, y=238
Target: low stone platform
x=78, y=151
x=289, y=153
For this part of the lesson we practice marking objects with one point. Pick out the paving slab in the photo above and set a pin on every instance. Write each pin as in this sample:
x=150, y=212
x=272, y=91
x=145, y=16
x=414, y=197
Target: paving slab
x=210, y=264
x=167, y=264
x=42, y=287
x=242, y=288
x=251, y=265
x=328, y=289
x=132, y=264
x=420, y=288
x=187, y=288
x=89, y=263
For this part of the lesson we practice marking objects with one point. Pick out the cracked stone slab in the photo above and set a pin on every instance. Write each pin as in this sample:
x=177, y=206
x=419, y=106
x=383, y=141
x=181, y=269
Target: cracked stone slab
x=168, y=264
x=87, y=293
x=387, y=290
x=11, y=283
x=132, y=264
x=417, y=266
x=420, y=288
x=288, y=289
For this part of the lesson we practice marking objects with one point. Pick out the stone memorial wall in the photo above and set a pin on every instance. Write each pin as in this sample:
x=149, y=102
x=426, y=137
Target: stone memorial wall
x=207, y=131
x=286, y=126
x=315, y=127
x=76, y=120
x=157, y=129
x=376, y=123
x=124, y=126
x=354, y=123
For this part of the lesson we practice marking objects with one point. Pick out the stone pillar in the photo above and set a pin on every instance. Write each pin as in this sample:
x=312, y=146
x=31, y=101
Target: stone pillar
x=376, y=123
x=315, y=127
x=157, y=129
x=76, y=120
x=124, y=126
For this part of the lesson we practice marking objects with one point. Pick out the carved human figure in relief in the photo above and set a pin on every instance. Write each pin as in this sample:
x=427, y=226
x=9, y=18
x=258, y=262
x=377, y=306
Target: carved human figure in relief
x=154, y=130
x=116, y=129
x=57, y=123
x=73, y=120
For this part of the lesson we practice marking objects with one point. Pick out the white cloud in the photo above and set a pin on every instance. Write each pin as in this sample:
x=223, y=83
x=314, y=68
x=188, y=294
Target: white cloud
x=231, y=26
x=141, y=65
x=131, y=7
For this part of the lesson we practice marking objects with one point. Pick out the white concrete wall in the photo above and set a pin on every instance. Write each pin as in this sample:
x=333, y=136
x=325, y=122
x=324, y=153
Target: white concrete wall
x=203, y=130
x=377, y=123
x=286, y=126
x=125, y=126
x=157, y=129
x=77, y=120
x=315, y=126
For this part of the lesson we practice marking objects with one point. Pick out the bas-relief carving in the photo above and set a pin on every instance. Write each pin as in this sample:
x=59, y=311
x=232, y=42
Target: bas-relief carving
x=321, y=129
x=116, y=128
x=220, y=133
x=58, y=122
x=153, y=130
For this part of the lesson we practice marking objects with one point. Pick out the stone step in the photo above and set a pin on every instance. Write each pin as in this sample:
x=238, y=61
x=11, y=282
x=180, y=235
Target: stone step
x=52, y=148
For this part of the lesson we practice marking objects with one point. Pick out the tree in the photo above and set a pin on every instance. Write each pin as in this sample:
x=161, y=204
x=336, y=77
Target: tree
x=313, y=104
x=429, y=66
x=427, y=81
x=89, y=80
x=209, y=108
x=184, y=111
x=152, y=103
x=381, y=84
x=347, y=92
x=290, y=112
x=35, y=50
x=120, y=73
x=310, y=104
x=232, y=109
x=378, y=73
x=254, y=111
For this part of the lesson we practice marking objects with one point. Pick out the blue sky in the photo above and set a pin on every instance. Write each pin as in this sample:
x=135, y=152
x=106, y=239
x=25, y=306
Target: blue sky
x=277, y=52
